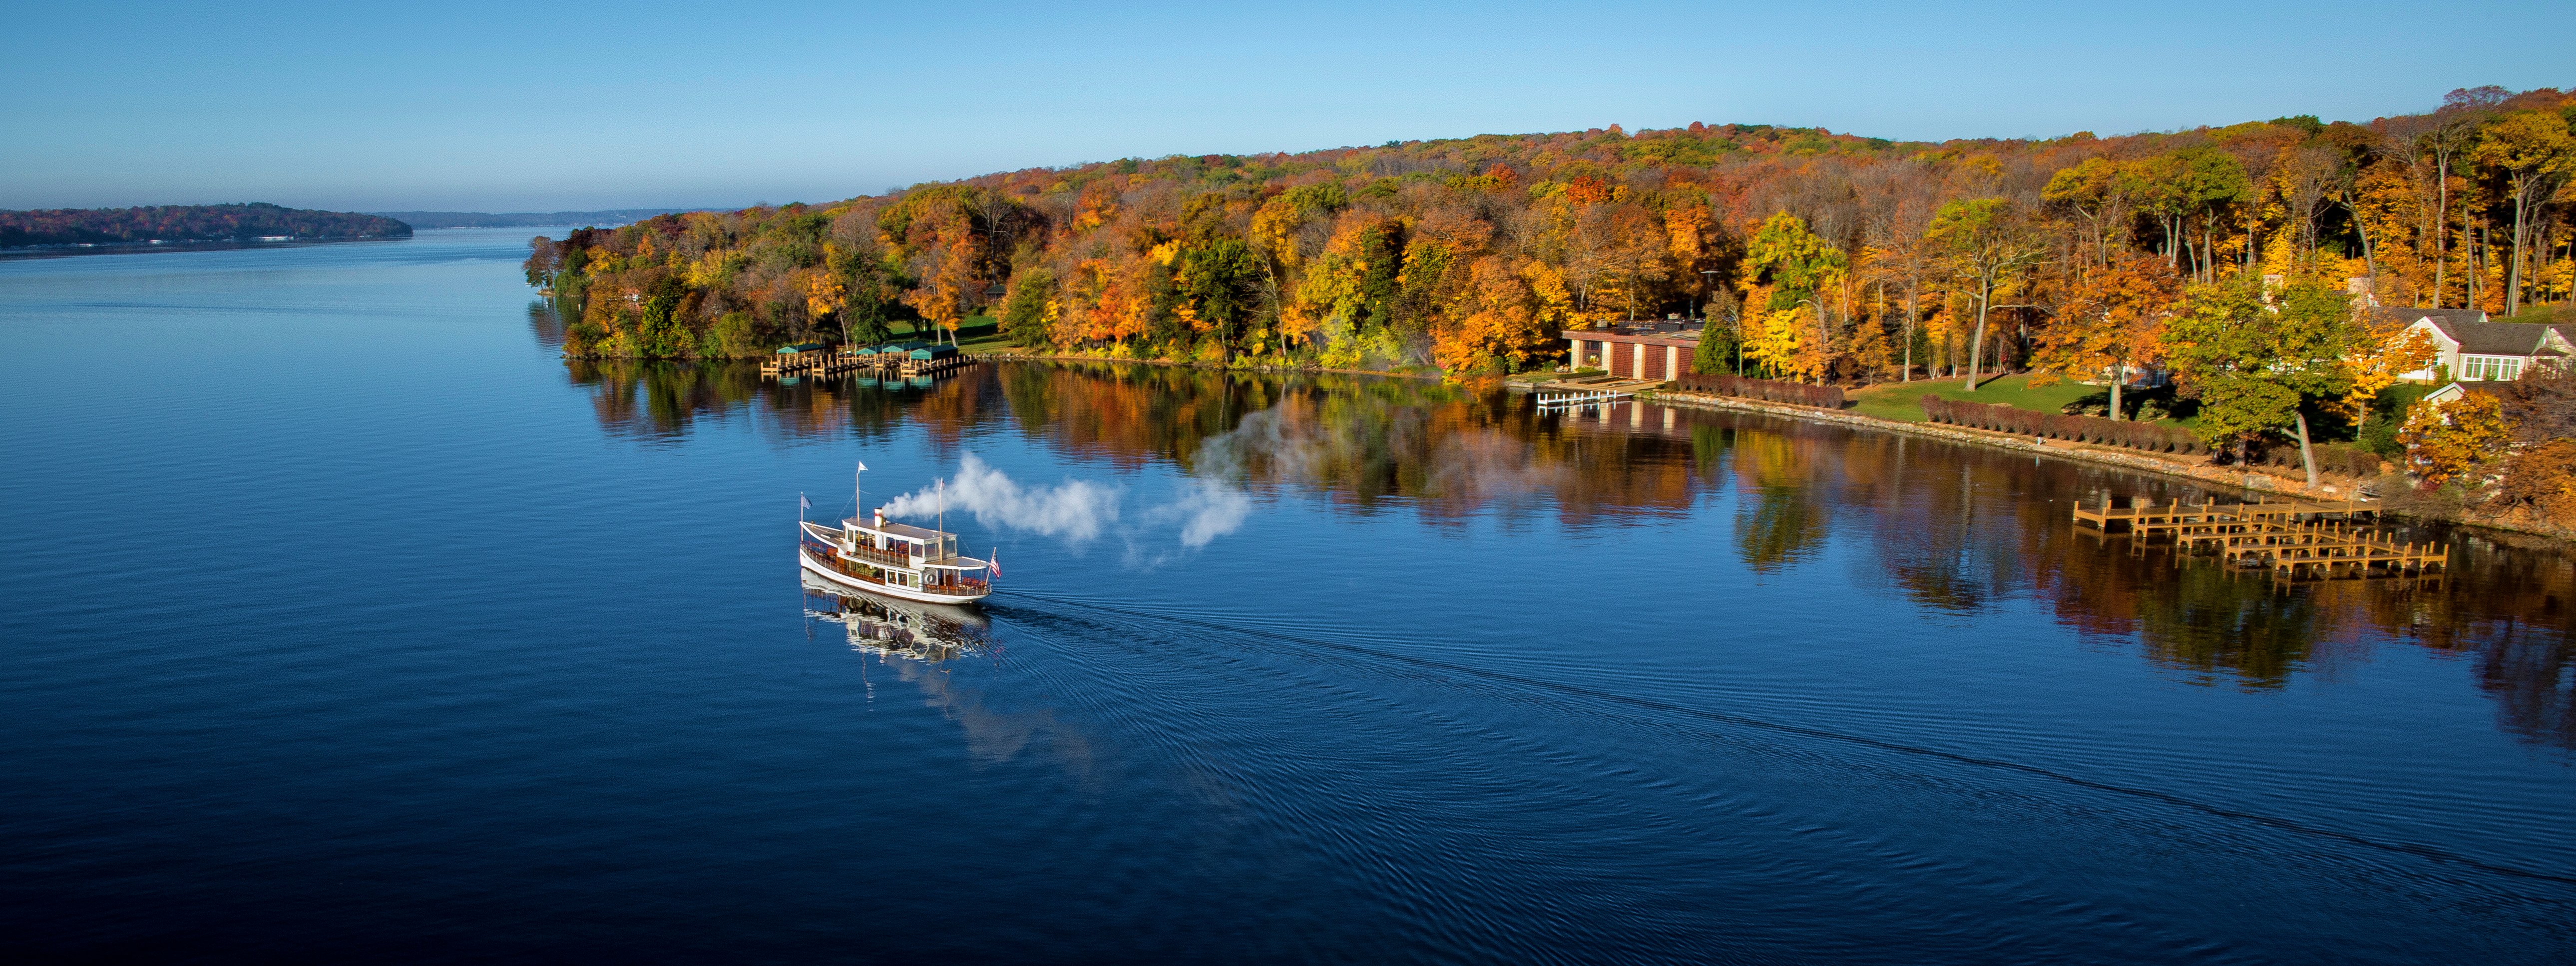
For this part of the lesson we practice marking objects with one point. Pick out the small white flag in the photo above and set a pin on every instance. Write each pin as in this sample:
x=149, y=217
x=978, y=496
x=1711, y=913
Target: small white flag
x=802, y=503
x=863, y=466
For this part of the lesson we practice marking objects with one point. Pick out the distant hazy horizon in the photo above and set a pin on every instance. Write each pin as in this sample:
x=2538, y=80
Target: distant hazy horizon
x=584, y=109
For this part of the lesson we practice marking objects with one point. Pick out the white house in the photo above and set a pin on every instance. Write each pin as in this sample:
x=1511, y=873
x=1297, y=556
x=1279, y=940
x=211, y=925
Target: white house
x=2472, y=349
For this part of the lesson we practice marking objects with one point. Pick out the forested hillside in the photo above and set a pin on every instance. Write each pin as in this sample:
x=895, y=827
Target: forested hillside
x=1823, y=256
x=187, y=223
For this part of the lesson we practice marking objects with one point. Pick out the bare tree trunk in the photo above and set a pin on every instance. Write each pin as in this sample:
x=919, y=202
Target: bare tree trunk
x=2307, y=456
x=1977, y=346
x=2469, y=236
x=1913, y=288
x=2513, y=275
x=2119, y=375
x=2248, y=260
x=2442, y=218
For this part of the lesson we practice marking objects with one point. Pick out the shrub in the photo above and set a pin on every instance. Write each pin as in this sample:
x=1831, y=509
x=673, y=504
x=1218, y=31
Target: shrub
x=2542, y=478
x=2151, y=437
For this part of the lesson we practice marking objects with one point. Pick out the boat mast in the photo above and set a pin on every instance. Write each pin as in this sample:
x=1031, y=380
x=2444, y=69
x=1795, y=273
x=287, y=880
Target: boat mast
x=858, y=502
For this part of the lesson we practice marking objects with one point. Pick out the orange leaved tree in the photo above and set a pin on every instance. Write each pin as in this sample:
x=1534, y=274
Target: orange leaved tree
x=2114, y=321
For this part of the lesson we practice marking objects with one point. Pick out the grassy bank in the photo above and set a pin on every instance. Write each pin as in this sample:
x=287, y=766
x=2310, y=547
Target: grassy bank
x=1899, y=401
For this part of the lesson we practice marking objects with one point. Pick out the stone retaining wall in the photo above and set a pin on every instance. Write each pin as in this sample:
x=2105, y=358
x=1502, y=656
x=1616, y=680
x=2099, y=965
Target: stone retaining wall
x=2198, y=473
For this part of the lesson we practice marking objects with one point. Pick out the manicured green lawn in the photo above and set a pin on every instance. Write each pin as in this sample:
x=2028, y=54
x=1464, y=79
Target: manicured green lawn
x=979, y=333
x=1900, y=401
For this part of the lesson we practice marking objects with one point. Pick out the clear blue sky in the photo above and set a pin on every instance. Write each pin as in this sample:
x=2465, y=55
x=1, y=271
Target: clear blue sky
x=558, y=105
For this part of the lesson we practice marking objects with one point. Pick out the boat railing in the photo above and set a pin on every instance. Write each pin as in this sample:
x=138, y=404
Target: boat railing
x=960, y=586
x=895, y=557
x=824, y=554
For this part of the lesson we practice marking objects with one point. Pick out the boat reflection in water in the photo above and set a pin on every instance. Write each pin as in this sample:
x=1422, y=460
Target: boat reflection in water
x=885, y=626
x=919, y=643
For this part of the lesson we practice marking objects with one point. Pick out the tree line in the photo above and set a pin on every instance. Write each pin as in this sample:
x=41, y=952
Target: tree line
x=187, y=223
x=2231, y=256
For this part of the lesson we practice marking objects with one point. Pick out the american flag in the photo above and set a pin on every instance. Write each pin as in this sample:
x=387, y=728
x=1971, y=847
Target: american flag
x=993, y=562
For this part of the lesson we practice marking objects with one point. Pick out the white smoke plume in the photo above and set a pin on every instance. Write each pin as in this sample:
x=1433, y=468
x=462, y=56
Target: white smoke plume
x=1074, y=509
x=1206, y=509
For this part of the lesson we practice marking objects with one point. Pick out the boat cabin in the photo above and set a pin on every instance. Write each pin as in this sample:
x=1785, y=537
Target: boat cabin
x=902, y=538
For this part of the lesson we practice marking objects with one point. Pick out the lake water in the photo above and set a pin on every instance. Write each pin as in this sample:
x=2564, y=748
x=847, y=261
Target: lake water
x=344, y=619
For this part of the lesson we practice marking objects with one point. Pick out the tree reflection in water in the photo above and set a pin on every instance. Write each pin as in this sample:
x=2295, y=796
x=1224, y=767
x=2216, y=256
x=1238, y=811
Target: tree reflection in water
x=1955, y=530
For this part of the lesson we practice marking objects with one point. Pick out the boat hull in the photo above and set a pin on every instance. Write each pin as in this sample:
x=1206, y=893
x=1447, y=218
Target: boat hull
x=805, y=557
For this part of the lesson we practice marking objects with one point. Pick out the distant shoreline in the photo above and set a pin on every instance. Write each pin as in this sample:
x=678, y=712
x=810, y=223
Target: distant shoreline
x=215, y=244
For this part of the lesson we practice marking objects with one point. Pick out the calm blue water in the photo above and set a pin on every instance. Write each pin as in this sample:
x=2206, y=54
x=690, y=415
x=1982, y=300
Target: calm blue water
x=342, y=619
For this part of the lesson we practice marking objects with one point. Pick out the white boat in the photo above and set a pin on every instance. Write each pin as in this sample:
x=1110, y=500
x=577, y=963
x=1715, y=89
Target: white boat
x=894, y=559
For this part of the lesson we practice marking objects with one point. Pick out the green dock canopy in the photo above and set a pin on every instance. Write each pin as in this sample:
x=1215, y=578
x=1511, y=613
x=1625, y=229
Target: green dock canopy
x=789, y=350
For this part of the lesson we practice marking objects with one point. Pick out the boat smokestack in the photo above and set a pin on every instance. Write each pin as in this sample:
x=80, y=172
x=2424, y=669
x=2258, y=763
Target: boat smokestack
x=880, y=524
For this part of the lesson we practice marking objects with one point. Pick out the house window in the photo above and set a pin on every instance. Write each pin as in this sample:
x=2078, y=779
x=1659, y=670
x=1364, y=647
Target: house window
x=2491, y=369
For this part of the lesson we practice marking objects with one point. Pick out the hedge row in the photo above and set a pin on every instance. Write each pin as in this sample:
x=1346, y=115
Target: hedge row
x=1827, y=397
x=2331, y=458
x=2152, y=437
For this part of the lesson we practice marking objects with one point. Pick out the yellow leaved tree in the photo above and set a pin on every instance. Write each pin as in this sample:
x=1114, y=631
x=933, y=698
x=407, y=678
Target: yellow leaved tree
x=2455, y=440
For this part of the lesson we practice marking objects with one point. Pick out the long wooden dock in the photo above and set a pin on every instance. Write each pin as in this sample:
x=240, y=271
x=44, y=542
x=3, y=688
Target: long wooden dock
x=2293, y=537
x=1570, y=400
x=846, y=360
x=2148, y=517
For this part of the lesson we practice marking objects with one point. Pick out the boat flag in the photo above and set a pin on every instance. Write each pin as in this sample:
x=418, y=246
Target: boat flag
x=802, y=503
x=993, y=562
x=863, y=466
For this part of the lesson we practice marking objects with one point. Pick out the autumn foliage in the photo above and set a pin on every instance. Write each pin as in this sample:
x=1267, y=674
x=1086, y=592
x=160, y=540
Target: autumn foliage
x=2456, y=440
x=1816, y=257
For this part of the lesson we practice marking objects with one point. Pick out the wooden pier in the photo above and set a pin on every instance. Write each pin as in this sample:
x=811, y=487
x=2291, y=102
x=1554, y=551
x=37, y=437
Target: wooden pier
x=844, y=360
x=2146, y=517
x=808, y=362
x=1570, y=400
x=2294, y=538
x=929, y=367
